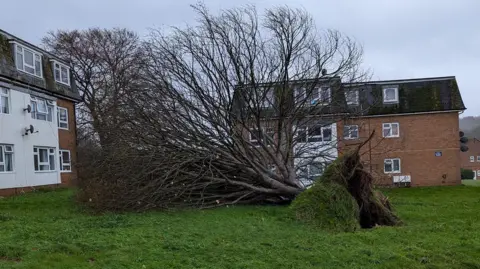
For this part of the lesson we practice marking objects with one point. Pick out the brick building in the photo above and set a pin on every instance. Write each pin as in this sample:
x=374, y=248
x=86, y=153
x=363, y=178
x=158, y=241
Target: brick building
x=37, y=117
x=416, y=123
x=471, y=158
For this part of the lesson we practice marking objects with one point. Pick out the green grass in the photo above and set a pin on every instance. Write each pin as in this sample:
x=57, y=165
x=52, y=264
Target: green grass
x=46, y=230
x=471, y=182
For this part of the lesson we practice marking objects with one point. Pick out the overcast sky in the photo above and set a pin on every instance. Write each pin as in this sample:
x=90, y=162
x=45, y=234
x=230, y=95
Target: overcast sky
x=402, y=38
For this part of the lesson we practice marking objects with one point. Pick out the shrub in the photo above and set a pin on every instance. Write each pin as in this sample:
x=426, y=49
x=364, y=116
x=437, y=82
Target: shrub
x=467, y=173
x=328, y=206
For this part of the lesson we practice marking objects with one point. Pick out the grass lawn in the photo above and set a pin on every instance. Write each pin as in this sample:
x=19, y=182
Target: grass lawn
x=471, y=182
x=46, y=230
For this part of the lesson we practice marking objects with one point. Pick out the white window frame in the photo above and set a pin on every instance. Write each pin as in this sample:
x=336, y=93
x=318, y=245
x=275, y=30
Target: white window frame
x=48, y=104
x=4, y=152
x=390, y=125
x=301, y=95
x=5, y=92
x=472, y=159
x=307, y=135
x=268, y=98
x=264, y=131
x=50, y=153
x=478, y=158
x=349, y=102
x=20, y=49
x=393, y=166
x=62, y=163
x=59, y=66
x=392, y=101
x=59, y=119
x=349, y=136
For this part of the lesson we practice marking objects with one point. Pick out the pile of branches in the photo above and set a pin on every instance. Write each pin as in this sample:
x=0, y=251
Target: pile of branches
x=129, y=179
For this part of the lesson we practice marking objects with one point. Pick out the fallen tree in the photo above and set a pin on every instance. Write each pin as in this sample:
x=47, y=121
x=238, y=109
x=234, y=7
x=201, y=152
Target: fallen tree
x=345, y=181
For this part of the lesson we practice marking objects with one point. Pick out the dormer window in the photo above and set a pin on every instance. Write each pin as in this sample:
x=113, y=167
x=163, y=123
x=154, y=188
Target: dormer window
x=28, y=61
x=315, y=96
x=61, y=73
x=352, y=97
x=390, y=94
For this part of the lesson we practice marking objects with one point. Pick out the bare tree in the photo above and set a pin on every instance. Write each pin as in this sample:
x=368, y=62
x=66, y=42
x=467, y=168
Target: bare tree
x=236, y=109
x=105, y=66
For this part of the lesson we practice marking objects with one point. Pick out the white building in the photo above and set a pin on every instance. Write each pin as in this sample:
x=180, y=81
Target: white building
x=37, y=117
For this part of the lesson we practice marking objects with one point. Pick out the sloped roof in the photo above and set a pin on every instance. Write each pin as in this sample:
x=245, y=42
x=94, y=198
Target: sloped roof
x=415, y=96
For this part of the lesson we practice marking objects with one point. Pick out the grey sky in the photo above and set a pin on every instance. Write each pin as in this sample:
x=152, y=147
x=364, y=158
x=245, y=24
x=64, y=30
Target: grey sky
x=402, y=38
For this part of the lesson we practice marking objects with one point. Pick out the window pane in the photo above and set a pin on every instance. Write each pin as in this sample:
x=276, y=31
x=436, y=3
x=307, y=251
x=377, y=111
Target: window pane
x=394, y=129
x=50, y=114
x=44, y=167
x=64, y=75
x=390, y=94
x=313, y=96
x=9, y=162
x=52, y=162
x=299, y=94
x=66, y=157
x=41, y=116
x=325, y=98
x=4, y=105
x=42, y=106
x=2, y=168
x=327, y=134
x=302, y=135
x=388, y=166
x=43, y=155
x=1, y=154
x=315, y=130
x=396, y=165
x=63, y=115
x=35, y=162
x=19, y=60
x=29, y=69
x=38, y=68
x=354, y=131
x=57, y=74
x=28, y=57
x=386, y=130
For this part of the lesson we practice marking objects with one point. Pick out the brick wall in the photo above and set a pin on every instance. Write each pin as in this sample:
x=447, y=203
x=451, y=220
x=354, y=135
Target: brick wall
x=473, y=151
x=421, y=136
x=67, y=141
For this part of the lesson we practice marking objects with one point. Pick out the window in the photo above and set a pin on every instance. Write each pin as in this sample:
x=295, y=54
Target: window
x=391, y=130
x=350, y=132
x=314, y=133
x=265, y=135
x=28, y=60
x=61, y=73
x=312, y=170
x=44, y=159
x=65, y=161
x=267, y=98
x=472, y=159
x=4, y=101
x=41, y=109
x=6, y=158
x=62, y=118
x=352, y=97
x=390, y=94
x=317, y=95
x=478, y=158
x=391, y=165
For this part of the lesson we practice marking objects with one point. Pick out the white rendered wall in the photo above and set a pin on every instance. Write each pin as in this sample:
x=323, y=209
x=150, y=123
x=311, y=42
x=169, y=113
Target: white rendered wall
x=12, y=126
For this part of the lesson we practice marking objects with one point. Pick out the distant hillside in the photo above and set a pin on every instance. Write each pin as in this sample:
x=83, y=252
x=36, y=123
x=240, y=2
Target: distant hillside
x=471, y=126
